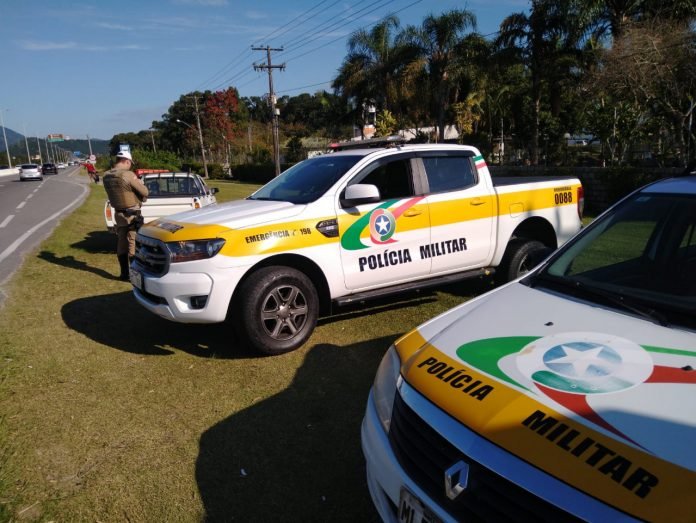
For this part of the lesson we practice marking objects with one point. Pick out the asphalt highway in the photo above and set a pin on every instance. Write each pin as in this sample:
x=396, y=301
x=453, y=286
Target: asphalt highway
x=30, y=211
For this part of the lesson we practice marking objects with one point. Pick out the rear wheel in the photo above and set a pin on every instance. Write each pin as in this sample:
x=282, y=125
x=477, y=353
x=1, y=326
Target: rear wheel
x=277, y=309
x=521, y=257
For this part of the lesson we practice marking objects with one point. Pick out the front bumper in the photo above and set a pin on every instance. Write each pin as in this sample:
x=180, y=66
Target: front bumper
x=386, y=477
x=173, y=295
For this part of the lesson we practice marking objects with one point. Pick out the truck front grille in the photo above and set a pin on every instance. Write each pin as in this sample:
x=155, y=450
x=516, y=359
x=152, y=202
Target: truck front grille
x=151, y=255
x=425, y=456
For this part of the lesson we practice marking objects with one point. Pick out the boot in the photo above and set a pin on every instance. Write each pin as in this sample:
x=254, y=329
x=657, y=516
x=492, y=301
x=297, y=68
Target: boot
x=124, y=262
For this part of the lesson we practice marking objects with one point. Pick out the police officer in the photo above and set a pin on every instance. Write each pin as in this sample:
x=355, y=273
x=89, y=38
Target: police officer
x=126, y=193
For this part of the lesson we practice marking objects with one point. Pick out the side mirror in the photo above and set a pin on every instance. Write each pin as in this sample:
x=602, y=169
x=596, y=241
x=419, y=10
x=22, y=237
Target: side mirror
x=214, y=190
x=360, y=193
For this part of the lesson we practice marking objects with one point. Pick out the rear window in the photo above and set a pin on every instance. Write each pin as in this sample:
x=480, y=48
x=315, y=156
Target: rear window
x=29, y=166
x=171, y=186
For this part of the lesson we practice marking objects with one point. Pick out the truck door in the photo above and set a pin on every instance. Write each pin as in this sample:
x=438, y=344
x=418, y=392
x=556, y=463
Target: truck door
x=381, y=241
x=462, y=211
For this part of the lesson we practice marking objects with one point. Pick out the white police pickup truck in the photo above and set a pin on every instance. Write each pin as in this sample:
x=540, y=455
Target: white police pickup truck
x=568, y=395
x=346, y=227
x=169, y=193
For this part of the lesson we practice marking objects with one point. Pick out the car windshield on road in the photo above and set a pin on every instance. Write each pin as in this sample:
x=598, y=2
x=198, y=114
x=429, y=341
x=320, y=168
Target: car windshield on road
x=640, y=258
x=306, y=181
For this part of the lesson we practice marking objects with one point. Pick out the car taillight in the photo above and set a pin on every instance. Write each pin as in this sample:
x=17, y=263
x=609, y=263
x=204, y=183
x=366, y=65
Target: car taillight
x=581, y=201
x=109, y=216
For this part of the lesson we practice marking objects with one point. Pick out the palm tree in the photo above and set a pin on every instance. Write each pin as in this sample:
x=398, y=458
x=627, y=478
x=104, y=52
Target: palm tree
x=370, y=70
x=438, y=41
x=548, y=42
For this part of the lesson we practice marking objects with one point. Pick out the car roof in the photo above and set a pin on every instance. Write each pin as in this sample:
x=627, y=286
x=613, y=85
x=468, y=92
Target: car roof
x=404, y=148
x=681, y=185
x=168, y=175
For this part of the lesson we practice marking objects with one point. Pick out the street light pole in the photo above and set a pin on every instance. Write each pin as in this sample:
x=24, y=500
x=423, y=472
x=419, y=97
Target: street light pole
x=7, y=148
x=38, y=145
x=200, y=138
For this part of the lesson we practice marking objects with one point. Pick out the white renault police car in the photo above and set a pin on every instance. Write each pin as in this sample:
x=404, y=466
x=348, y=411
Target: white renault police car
x=569, y=394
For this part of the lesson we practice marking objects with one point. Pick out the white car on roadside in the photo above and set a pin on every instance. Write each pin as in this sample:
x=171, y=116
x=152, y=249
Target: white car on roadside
x=30, y=171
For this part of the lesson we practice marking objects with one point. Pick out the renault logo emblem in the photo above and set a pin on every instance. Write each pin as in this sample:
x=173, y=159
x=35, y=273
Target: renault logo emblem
x=456, y=479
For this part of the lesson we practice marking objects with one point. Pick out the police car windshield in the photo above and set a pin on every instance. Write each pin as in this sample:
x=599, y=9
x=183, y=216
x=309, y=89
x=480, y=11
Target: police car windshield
x=308, y=180
x=643, y=253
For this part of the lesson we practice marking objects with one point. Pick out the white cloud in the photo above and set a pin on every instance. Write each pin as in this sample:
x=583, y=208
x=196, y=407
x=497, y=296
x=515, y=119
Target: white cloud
x=256, y=15
x=115, y=27
x=35, y=45
x=214, y=3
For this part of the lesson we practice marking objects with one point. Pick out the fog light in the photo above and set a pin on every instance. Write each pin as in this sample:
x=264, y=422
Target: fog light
x=198, y=302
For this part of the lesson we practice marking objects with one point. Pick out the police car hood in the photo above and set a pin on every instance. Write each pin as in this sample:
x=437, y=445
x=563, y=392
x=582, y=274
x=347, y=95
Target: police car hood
x=541, y=375
x=239, y=213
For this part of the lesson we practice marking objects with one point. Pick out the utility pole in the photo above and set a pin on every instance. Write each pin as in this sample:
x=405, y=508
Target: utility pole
x=90, y=146
x=7, y=147
x=26, y=144
x=200, y=136
x=272, y=99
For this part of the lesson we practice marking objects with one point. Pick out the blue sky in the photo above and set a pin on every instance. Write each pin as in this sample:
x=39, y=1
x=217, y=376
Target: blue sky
x=102, y=67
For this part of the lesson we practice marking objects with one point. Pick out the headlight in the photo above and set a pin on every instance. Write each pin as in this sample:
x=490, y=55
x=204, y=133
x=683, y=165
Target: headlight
x=384, y=388
x=194, y=249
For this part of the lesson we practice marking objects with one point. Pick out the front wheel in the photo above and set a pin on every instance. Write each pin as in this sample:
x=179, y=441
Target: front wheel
x=521, y=257
x=277, y=309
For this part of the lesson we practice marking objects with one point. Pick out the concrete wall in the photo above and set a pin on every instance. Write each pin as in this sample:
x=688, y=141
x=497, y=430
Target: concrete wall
x=603, y=186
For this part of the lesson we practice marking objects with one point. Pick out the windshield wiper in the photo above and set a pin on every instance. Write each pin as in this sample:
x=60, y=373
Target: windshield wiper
x=621, y=300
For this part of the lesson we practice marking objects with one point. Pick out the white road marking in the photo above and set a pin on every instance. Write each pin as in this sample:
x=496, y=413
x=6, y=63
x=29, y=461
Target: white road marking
x=6, y=221
x=13, y=247
x=30, y=196
x=21, y=205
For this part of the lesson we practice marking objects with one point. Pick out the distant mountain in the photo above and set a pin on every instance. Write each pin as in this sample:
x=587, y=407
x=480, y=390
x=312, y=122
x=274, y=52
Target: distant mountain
x=13, y=137
x=18, y=147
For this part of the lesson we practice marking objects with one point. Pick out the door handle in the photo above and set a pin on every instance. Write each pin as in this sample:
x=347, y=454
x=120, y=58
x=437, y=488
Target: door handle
x=477, y=201
x=413, y=211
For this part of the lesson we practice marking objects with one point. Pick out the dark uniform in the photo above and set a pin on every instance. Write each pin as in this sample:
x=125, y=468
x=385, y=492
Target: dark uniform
x=126, y=192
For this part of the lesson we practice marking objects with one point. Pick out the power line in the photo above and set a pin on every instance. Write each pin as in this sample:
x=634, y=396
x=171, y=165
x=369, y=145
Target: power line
x=303, y=87
x=242, y=72
x=341, y=37
x=268, y=37
x=323, y=27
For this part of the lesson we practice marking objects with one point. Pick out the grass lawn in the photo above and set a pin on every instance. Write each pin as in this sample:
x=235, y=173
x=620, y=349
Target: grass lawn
x=108, y=413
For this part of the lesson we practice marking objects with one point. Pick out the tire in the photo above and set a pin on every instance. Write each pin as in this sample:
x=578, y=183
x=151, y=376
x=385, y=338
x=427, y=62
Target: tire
x=277, y=309
x=521, y=257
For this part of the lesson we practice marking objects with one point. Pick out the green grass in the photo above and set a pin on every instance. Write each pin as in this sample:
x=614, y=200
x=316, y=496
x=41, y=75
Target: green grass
x=108, y=413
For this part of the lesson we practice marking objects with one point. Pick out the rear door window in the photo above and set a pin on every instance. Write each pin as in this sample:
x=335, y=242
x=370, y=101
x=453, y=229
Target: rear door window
x=449, y=173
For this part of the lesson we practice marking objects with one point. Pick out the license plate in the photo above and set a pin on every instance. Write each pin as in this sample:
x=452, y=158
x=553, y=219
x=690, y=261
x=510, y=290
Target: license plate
x=412, y=510
x=136, y=279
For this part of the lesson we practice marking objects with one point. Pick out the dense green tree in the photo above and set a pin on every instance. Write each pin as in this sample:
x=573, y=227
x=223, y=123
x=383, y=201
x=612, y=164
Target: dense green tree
x=439, y=41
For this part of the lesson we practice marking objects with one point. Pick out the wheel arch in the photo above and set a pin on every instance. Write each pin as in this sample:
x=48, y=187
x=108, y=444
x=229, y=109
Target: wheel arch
x=300, y=263
x=536, y=228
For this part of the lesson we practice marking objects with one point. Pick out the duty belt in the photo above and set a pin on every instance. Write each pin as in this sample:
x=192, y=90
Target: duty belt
x=129, y=212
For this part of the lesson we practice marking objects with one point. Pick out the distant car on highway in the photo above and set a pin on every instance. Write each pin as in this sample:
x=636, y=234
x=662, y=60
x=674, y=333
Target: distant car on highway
x=62, y=166
x=30, y=171
x=49, y=168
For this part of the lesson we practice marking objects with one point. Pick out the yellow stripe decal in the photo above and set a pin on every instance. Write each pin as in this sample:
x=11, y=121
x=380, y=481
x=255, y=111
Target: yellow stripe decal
x=295, y=235
x=621, y=475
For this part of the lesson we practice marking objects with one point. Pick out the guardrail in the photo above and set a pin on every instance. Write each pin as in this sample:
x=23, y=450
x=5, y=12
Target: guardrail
x=9, y=172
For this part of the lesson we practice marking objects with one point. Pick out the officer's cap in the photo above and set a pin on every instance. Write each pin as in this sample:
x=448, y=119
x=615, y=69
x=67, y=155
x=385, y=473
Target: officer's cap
x=124, y=154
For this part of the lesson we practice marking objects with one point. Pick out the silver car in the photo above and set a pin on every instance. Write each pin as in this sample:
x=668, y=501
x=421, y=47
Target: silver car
x=30, y=171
